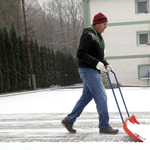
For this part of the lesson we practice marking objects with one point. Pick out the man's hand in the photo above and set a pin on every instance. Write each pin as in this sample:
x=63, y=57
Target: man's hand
x=100, y=66
x=109, y=68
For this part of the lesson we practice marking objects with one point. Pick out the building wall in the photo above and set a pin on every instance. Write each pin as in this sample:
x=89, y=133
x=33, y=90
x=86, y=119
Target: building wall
x=117, y=10
x=121, y=38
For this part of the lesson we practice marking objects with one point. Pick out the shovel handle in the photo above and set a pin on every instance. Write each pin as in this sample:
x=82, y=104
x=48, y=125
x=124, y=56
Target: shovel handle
x=121, y=93
x=115, y=95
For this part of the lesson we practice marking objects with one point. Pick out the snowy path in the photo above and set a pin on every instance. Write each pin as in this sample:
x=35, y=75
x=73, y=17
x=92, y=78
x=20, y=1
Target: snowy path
x=31, y=120
x=47, y=128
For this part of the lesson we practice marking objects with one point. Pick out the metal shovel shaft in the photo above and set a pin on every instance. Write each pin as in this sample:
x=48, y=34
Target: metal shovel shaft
x=115, y=95
x=121, y=94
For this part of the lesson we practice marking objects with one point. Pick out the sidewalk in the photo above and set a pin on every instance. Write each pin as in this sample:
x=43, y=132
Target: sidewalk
x=75, y=86
x=46, y=127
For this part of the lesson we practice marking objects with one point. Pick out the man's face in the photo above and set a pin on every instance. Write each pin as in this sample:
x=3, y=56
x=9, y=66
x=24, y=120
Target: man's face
x=101, y=27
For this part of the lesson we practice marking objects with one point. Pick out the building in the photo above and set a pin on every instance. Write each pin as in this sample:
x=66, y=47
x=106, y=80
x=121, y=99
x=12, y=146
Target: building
x=127, y=37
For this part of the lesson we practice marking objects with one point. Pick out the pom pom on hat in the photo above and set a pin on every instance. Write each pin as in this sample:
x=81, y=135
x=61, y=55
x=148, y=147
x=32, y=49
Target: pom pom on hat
x=99, y=18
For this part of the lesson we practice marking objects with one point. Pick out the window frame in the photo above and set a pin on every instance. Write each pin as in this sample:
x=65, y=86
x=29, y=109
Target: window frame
x=139, y=72
x=136, y=6
x=138, y=37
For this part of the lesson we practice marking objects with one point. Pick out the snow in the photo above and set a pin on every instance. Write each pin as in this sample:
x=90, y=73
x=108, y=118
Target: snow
x=73, y=146
x=52, y=101
x=139, y=129
x=62, y=101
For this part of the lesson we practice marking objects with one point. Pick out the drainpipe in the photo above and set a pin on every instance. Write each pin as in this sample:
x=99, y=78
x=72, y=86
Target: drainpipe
x=86, y=12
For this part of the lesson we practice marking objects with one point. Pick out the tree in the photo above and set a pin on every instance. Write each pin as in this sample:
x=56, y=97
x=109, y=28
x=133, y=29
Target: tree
x=53, y=67
x=64, y=69
x=61, y=25
x=23, y=64
x=58, y=68
x=33, y=55
x=26, y=54
x=4, y=64
x=10, y=12
x=43, y=66
x=37, y=72
x=50, y=68
x=60, y=22
x=1, y=76
x=15, y=49
x=48, y=57
x=11, y=61
x=71, y=69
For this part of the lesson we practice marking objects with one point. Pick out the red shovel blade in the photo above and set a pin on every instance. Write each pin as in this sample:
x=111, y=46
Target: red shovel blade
x=133, y=120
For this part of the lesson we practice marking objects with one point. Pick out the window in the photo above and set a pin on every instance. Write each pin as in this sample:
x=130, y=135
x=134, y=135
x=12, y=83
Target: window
x=144, y=71
x=143, y=38
x=142, y=6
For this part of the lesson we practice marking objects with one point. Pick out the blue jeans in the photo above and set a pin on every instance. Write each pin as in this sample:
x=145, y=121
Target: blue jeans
x=92, y=88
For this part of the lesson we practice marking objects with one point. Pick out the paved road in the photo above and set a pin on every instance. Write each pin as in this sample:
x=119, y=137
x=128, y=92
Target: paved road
x=47, y=128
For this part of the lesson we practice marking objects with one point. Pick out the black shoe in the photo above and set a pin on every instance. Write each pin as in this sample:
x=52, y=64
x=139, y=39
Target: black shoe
x=109, y=130
x=68, y=125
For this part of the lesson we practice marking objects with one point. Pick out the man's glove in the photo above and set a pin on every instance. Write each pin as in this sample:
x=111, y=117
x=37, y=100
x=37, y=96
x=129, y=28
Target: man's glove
x=109, y=68
x=100, y=66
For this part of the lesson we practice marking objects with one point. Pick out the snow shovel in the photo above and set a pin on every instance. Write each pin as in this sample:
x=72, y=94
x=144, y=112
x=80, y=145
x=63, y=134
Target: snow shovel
x=131, y=119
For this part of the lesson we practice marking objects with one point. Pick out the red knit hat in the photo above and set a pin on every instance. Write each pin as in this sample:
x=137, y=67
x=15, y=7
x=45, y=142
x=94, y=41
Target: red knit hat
x=99, y=18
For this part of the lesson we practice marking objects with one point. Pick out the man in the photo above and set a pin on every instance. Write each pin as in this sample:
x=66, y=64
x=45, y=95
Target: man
x=90, y=62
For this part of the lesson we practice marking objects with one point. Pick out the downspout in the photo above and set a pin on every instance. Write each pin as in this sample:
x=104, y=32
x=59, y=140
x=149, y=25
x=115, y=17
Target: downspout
x=86, y=12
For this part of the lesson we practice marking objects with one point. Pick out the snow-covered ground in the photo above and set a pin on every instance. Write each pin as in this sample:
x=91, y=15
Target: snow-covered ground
x=62, y=101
